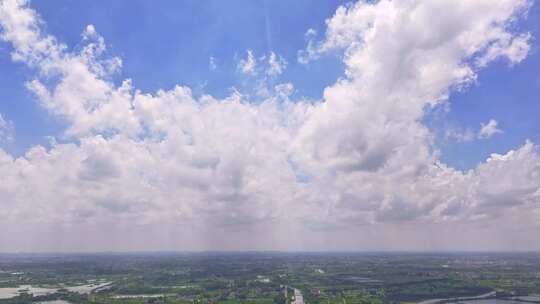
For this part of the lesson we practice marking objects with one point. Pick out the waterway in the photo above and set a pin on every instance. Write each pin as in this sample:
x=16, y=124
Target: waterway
x=11, y=292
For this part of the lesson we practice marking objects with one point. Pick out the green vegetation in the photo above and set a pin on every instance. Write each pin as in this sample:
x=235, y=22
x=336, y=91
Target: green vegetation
x=268, y=278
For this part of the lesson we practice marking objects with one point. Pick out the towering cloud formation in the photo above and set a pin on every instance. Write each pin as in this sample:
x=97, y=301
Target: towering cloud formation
x=359, y=158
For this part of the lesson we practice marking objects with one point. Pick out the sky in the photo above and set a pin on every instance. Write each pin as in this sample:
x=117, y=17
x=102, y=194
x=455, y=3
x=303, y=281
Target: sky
x=269, y=125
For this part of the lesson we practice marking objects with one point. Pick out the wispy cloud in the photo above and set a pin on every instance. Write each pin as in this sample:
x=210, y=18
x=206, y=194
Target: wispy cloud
x=489, y=129
x=212, y=63
x=276, y=64
x=6, y=130
x=248, y=65
x=486, y=130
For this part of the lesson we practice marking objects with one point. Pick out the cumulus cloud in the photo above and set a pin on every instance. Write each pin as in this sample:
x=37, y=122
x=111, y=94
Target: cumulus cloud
x=358, y=158
x=489, y=129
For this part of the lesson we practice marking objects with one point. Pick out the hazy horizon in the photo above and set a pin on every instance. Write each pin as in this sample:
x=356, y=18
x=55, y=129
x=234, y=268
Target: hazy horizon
x=247, y=251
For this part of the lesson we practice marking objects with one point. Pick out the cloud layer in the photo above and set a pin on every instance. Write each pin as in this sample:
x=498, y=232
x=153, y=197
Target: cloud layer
x=359, y=162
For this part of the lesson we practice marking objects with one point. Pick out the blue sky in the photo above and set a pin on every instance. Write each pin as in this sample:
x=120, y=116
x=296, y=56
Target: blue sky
x=353, y=152
x=508, y=93
x=180, y=46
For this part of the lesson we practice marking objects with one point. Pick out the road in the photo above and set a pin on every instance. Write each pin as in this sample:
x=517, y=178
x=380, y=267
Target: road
x=298, y=297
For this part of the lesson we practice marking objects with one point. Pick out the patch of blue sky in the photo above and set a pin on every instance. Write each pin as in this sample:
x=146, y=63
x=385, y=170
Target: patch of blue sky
x=171, y=44
x=508, y=94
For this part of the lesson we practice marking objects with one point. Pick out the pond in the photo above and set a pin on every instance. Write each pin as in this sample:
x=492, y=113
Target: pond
x=10, y=292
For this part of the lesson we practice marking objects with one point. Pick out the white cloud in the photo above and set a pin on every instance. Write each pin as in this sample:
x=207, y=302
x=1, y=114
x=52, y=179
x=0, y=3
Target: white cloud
x=461, y=136
x=167, y=163
x=212, y=64
x=249, y=64
x=284, y=89
x=515, y=49
x=89, y=32
x=486, y=130
x=311, y=52
x=276, y=65
x=489, y=129
x=6, y=130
